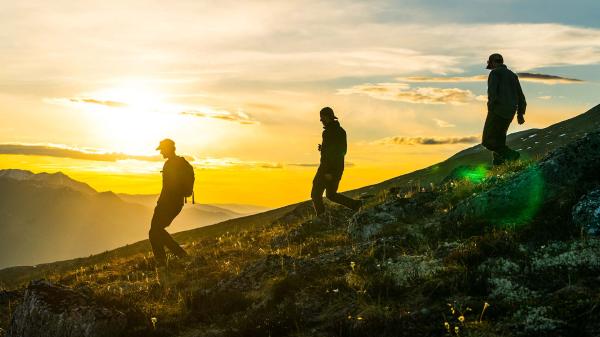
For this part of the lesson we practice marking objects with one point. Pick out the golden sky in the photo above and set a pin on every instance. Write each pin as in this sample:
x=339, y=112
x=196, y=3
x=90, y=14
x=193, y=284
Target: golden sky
x=89, y=88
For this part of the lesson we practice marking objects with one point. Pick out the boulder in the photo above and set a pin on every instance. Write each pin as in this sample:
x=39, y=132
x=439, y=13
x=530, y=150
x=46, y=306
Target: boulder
x=516, y=201
x=52, y=310
x=586, y=213
x=371, y=222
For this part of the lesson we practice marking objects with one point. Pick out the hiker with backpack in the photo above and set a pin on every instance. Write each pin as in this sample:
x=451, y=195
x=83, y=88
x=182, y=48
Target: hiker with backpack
x=505, y=98
x=333, y=150
x=177, y=184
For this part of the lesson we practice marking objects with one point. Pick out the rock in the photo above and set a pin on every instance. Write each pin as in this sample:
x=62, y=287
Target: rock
x=516, y=201
x=56, y=311
x=586, y=213
x=371, y=222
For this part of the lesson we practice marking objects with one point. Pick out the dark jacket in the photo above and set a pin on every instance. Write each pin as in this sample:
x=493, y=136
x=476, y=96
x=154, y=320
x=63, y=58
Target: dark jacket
x=171, y=193
x=333, y=149
x=505, y=96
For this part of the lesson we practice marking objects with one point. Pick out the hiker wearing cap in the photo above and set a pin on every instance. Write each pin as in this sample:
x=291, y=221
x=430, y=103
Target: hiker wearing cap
x=333, y=149
x=505, y=97
x=175, y=180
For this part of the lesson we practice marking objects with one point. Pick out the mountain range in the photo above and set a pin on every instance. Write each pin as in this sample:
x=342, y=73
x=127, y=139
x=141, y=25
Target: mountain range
x=50, y=216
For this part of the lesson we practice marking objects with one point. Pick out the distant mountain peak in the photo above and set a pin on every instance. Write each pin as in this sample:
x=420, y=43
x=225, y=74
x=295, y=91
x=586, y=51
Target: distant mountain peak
x=57, y=179
x=16, y=174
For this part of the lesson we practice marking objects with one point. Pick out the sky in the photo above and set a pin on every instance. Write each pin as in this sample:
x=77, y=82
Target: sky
x=89, y=88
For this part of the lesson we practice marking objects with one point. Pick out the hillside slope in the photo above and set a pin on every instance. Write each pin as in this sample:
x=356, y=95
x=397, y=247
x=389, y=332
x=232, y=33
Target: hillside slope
x=505, y=255
x=533, y=144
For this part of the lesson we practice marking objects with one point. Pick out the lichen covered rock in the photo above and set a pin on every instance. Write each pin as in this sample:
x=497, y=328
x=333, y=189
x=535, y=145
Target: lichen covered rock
x=586, y=213
x=52, y=310
x=518, y=200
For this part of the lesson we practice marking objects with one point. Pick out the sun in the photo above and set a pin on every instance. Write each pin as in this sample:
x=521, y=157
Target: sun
x=132, y=117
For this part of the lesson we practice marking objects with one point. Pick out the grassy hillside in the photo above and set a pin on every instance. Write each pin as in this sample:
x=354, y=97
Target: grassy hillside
x=404, y=266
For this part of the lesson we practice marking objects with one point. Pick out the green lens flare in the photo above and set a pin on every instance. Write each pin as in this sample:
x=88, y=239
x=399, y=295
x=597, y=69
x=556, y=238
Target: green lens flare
x=526, y=199
x=474, y=175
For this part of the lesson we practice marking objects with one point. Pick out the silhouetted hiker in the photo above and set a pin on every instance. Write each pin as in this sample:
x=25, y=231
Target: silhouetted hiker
x=505, y=97
x=333, y=149
x=175, y=182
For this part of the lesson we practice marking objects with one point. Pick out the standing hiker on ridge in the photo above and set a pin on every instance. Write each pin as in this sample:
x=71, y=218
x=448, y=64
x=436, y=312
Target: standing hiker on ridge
x=505, y=97
x=177, y=183
x=333, y=149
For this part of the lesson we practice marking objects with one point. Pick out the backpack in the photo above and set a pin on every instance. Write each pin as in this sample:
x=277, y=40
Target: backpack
x=186, y=178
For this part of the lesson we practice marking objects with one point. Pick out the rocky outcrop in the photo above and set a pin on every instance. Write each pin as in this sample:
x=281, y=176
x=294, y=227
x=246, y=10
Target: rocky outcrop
x=518, y=200
x=55, y=311
x=586, y=213
x=366, y=224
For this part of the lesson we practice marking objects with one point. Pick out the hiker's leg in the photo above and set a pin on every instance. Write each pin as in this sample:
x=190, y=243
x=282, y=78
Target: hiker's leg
x=492, y=134
x=167, y=239
x=164, y=215
x=316, y=194
x=333, y=195
x=494, y=137
x=173, y=246
x=156, y=241
x=504, y=150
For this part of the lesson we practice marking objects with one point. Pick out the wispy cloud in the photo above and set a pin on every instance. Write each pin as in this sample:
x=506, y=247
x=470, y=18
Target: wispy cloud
x=63, y=151
x=545, y=97
x=216, y=163
x=237, y=117
x=86, y=100
x=548, y=79
x=111, y=104
x=528, y=77
x=443, y=124
x=443, y=79
x=429, y=140
x=402, y=92
x=346, y=164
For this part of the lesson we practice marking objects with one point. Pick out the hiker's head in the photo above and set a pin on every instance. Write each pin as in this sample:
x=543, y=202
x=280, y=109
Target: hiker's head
x=494, y=61
x=327, y=115
x=166, y=148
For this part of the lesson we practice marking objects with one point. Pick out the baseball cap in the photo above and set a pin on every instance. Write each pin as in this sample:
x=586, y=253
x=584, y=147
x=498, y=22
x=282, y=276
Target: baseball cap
x=327, y=111
x=494, y=58
x=166, y=143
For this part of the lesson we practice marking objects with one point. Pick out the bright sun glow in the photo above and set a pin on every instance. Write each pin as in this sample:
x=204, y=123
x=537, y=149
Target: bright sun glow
x=138, y=118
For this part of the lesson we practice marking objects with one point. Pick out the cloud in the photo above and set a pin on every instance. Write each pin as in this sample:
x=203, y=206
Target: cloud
x=218, y=163
x=79, y=100
x=64, y=151
x=445, y=79
x=402, y=92
x=305, y=164
x=346, y=164
x=237, y=117
x=429, y=140
x=528, y=77
x=545, y=97
x=111, y=104
x=443, y=124
x=547, y=79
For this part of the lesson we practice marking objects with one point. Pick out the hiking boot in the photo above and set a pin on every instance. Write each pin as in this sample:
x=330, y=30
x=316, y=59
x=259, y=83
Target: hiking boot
x=498, y=159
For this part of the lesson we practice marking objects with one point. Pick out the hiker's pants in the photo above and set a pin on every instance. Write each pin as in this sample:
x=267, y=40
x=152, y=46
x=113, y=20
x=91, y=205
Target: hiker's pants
x=494, y=136
x=320, y=185
x=159, y=237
